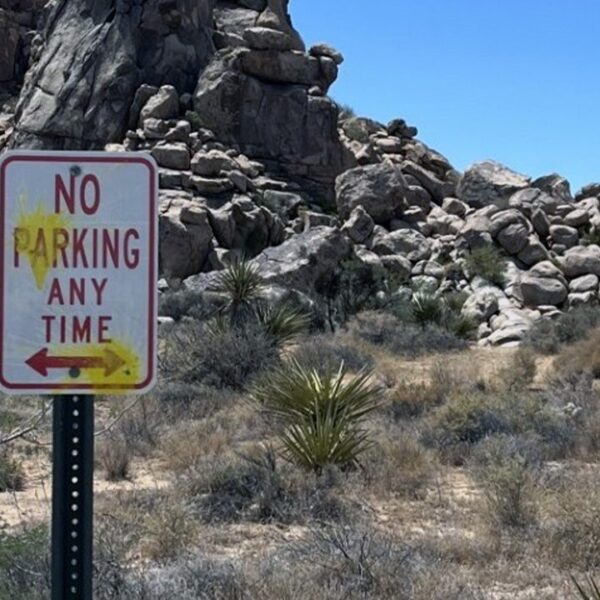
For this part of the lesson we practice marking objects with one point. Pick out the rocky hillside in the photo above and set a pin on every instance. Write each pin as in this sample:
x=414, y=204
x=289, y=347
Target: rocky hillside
x=256, y=160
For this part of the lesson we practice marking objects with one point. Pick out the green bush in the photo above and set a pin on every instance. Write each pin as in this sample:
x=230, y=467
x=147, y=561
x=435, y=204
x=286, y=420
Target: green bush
x=427, y=308
x=241, y=283
x=349, y=289
x=487, y=262
x=321, y=414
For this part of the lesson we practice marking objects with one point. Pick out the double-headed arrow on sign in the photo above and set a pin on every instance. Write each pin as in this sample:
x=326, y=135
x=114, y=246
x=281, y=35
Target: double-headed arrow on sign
x=109, y=361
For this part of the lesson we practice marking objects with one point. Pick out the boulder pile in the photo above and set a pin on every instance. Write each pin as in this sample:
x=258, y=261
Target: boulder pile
x=256, y=160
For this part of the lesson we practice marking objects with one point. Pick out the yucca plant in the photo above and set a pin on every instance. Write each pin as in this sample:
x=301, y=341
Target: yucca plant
x=593, y=591
x=283, y=322
x=462, y=326
x=427, y=308
x=321, y=414
x=242, y=283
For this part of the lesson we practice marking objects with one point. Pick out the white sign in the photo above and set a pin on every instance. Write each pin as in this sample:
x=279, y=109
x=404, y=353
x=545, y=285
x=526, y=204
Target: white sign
x=78, y=272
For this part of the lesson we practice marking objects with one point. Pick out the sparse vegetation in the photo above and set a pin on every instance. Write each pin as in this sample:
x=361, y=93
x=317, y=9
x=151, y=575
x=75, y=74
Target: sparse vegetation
x=505, y=468
x=115, y=458
x=487, y=262
x=403, y=339
x=548, y=335
x=12, y=477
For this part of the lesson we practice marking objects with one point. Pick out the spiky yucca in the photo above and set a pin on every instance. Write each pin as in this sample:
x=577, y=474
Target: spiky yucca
x=321, y=414
x=242, y=283
x=427, y=308
x=283, y=322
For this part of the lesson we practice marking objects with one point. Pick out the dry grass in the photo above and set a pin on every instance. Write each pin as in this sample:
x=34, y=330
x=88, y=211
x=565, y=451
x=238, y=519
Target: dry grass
x=211, y=510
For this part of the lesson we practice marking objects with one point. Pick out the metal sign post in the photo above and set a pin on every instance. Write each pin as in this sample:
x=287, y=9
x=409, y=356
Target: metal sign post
x=72, y=497
x=78, y=272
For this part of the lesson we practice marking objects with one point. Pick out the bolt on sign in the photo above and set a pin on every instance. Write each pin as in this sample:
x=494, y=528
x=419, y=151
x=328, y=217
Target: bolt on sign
x=78, y=272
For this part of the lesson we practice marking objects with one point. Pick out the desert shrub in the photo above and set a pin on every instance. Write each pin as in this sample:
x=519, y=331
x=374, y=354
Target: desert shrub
x=194, y=119
x=184, y=303
x=325, y=353
x=424, y=308
x=580, y=357
x=189, y=577
x=463, y=421
x=520, y=371
x=188, y=444
x=220, y=356
x=486, y=262
x=178, y=401
x=400, y=466
x=140, y=427
x=25, y=564
x=254, y=487
x=321, y=414
x=115, y=457
x=572, y=531
x=403, y=339
x=12, y=476
x=577, y=399
x=357, y=561
x=168, y=531
x=591, y=238
x=505, y=468
x=350, y=288
x=345, y=111
x=408, y=400
x=548, y=335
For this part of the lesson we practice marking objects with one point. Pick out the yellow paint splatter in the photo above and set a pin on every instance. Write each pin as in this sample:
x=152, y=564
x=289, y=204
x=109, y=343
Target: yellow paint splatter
x=121, y=364
x=36, y=237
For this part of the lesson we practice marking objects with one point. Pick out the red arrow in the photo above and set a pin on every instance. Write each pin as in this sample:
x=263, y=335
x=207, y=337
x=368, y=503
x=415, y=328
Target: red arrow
x=41, y=362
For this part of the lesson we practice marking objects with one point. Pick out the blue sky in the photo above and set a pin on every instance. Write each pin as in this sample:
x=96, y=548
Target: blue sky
x=513, y=80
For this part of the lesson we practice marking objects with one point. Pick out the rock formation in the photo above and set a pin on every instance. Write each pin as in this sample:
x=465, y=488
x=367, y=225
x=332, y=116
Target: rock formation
x=255, y=159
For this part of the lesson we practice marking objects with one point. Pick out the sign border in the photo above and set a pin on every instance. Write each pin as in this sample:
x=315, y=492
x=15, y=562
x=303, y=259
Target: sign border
x=87, y=157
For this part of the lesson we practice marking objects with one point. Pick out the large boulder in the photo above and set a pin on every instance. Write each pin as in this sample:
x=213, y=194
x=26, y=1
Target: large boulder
x=407, y=242
x=379, y=189
x=359, y=225
x=185, y=235
x=9, y=31
x=490, y=182
x=305, y=261
x=242, y=225
x=481, y=305
x=95, y=55
x=248, y=100
x=542, y=291
x=581, y=260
